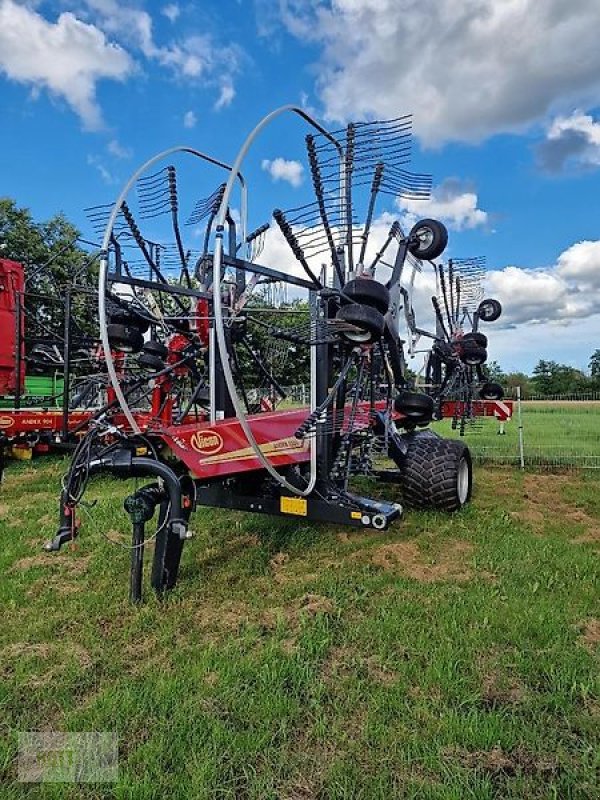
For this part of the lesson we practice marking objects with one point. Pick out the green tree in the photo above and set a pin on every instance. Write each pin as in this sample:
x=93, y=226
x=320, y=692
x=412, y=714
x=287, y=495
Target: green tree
x=551, y=378
x=496, y=373
x=514, y=379
x=594, y=366
x=52, y=260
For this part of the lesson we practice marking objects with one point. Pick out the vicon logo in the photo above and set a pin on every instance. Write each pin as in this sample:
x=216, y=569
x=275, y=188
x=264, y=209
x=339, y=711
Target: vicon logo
x=207, y=442
x=6, y=422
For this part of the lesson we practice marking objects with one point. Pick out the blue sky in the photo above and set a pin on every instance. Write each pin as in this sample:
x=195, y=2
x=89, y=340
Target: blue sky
x=505, y=96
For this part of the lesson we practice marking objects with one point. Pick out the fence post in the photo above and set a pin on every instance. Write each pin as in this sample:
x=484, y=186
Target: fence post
x=520, y=418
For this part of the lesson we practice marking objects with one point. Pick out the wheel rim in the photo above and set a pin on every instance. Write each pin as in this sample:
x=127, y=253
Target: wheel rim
x=425, y=237
x=361, y=337
x=462, y=481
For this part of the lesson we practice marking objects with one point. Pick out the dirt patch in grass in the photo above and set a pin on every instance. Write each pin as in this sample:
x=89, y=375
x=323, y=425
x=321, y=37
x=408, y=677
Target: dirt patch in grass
x=4, y=510
x=313, y=604
x=543, y=502
x=292, y=616
x=590, y=635
x=278, y=561
x=344, y=660
x=498, y=690
x=72, y=566
x=55, y=657
x=498, y=761
x=407, y=559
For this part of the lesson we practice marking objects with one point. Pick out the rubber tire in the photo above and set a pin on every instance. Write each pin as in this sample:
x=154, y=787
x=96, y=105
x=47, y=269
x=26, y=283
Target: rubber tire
x=155, y=348
x=415, y=406
x=480, y=339
x=438, y=243
x=150, y=362
x=494, y=312
x=127, y=316
x=369, y=292
x=474, y=356
x=126, y=338
x=364, y=317
x=430, y=474
x=491, y=391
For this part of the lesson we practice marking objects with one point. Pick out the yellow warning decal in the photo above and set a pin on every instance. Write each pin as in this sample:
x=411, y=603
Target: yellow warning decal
x=355, y=515
x=294, y=505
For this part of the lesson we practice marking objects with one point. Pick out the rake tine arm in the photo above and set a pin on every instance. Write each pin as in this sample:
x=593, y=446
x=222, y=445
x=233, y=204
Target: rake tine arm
x=375, y=186
x=318, y=187
x=292, y=241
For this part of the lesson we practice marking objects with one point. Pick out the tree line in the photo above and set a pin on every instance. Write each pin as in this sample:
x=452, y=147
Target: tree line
x=550, y=378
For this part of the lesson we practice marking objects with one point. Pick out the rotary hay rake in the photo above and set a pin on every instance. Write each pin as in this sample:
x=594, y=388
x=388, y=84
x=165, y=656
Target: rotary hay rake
x=197, y=342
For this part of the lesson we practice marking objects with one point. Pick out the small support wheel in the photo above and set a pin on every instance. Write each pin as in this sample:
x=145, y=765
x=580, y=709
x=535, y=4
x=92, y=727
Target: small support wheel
x=491, y=391
x=369, y=292
x=428, y=239
x=489, y=310
x=126, y=338
x=368, y=320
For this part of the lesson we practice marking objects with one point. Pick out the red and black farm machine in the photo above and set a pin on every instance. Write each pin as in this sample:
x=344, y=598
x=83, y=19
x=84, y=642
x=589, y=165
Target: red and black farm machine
x=201, y=342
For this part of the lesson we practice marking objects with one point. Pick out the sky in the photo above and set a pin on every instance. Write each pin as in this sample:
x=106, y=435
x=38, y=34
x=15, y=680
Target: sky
x=505, y=98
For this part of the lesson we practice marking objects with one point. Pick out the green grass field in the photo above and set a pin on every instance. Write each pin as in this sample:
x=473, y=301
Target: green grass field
x=449, y=657
x=554, y=434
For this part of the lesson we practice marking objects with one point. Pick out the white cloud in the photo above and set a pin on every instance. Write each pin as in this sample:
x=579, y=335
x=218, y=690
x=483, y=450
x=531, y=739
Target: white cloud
x=465, y=69
x=105, y=174
x=573, y=140
x=225, y=97
x=196, y=57
x=451, y=202
x=115, y=148
x=561, y=293
x=581, y=262
x=171, y=12
x=189, y=119
x=67, y=57
x=280, y=169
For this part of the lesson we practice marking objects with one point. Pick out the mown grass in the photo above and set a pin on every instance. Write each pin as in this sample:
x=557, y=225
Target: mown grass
x=554, y=434
x=449, y=657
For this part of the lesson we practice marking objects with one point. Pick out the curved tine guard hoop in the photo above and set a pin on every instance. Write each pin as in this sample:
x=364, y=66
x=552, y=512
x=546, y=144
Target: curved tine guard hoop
x=218, y=308
x=110, y=366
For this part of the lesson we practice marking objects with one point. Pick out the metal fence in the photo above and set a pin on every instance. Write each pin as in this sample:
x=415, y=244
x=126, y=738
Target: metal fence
x=562, y=433
x=547, y=434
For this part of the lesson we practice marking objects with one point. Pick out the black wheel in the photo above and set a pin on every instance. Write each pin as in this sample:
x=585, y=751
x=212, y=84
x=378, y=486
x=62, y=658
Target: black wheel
x=155, y=348
x=491, y=391
x=415, y=406
x=473, y=355
x=437, y=473
x=479, y=339
x=153, y=363
x=369, y=292
x=489, y=310
x=126, y=338
x=428, y=239
x=369, y=320
x=127, y=316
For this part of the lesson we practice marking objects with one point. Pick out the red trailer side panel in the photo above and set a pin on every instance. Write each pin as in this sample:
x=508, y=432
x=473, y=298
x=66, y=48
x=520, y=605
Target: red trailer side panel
x=12, y=284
